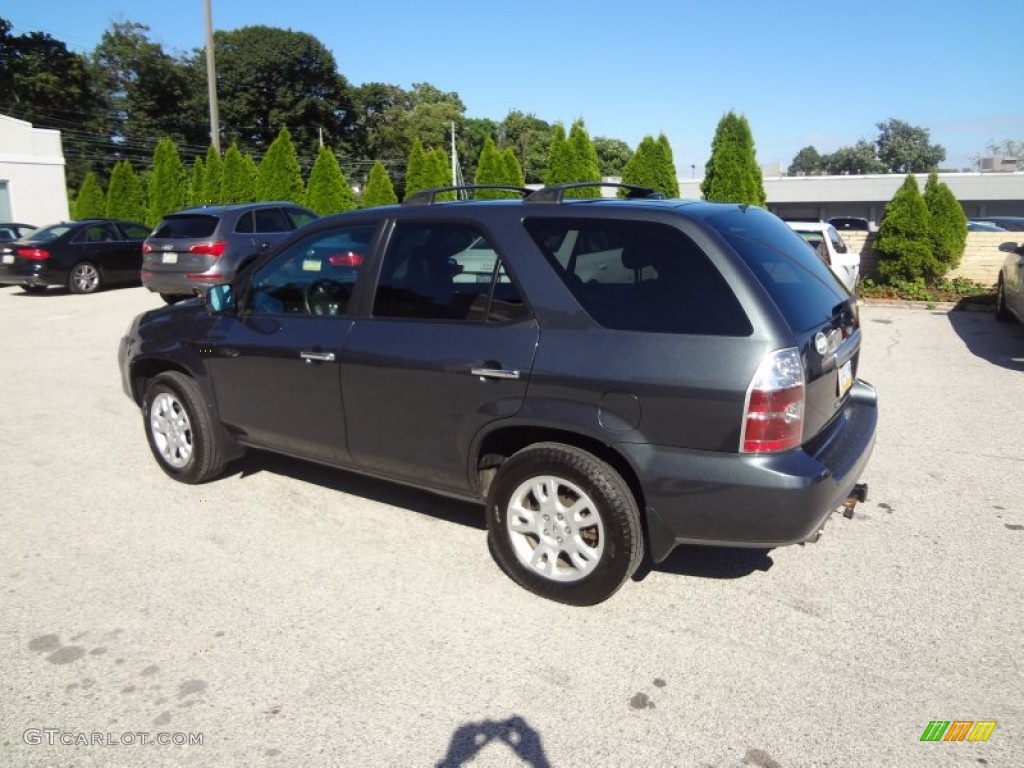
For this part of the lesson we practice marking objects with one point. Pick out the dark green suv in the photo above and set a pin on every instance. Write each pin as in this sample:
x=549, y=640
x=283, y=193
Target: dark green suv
x=605, y=376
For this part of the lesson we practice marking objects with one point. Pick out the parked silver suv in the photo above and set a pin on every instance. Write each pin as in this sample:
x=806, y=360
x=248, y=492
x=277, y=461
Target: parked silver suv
x=195, y=248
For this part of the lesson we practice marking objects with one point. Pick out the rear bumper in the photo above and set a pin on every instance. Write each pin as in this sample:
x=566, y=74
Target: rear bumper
x=743, y=500
x=28, y=273
x=178, y=283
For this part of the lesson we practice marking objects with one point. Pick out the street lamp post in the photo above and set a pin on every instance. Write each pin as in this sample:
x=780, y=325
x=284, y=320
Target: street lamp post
x=211, y=81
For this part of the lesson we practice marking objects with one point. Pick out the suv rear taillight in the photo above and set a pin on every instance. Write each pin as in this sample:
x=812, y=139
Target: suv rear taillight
x=773, y=419
x=35, y=254
x=209, y=249
x=147, y=248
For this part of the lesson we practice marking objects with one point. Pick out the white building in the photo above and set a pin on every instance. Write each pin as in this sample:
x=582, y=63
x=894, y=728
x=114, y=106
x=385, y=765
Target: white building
x=33, y=189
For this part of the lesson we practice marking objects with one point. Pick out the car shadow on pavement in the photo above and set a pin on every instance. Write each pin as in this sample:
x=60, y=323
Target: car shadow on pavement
x=708, y=562
x=424, y=502
x=469, y=738
x=1001, y=344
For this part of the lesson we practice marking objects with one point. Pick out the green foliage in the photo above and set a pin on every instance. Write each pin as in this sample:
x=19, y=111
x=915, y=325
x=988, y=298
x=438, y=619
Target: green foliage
x=904, y=237
x=513, y=170
x=195, y=184
x=236, y=183
x=91, y=203
x=584, y=160
x=904, y=148
x=280, y=177
x=856, y=160
x=167, y=191
x=125, y=199
x=560, y=167
x=531, y=139
x=732, y=175
x=490, y=169
x=440, y=172
x=807, y=162
x=213, y=177
x=268, y=77
x=669, y=179
x=652, y=166
x=917, y=290
x=417, y=172
x=379, y=189
x=948, y=223
x=327, y=191
x=612, y=155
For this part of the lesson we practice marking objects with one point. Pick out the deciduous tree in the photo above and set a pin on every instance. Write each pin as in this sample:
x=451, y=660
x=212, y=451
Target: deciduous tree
x=806, y=162
x=904, y=148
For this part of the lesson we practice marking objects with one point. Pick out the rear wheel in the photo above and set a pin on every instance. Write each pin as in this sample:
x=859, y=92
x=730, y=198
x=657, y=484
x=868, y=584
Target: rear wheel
x=180, y=431
x=34, y=288
x=84, y=278
x=1002, y=313
x=564, y=524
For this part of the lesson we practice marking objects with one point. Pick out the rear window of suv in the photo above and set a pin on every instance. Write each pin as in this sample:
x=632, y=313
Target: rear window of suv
x=187, y=226
x=802, y=286
x=640, y=276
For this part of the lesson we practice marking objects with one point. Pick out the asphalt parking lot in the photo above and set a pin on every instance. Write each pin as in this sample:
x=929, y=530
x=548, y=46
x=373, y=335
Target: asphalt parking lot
x=292, y=615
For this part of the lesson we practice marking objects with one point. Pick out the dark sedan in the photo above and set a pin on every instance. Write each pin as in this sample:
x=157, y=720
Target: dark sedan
x=81, y=255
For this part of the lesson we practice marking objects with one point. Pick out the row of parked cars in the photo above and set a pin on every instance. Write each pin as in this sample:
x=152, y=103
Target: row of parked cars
x=185, y=253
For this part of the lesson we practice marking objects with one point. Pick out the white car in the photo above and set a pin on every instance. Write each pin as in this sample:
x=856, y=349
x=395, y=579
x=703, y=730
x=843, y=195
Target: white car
x=825, y=240
x=1010, y=295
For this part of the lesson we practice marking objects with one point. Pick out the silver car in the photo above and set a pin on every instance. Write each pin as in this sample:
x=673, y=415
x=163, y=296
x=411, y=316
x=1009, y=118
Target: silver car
x=1010, y=286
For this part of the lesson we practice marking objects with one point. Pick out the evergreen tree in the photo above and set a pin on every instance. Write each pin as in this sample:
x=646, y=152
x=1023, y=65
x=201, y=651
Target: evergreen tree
x=948, y=223
x=91, y=203
x=379, y=189
x=124, y=195
x=280, y=177
x=668, y=178
x=252, y=174
x=235, y=181
x=327, y=191
x=513, y=171
x=440, y=172
x=417, y=171
x=584, y=160
x=490, y=169
x=642, y=168
x=167, y=191
x=560, y=160
x=213, y=177
x=732, y=175
x=904, y=242
x=195, y=185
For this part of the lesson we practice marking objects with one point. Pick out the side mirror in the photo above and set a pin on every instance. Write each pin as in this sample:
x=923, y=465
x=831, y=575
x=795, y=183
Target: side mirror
x=1009, y=247
x=219, y=299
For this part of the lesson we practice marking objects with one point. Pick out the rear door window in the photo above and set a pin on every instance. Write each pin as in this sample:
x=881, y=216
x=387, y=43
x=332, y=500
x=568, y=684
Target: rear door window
x=134, y=231
x=640, y=276
x=299, y=217
x=445, y=271
x=271, y=220
x=186, y=226
x=803, y=287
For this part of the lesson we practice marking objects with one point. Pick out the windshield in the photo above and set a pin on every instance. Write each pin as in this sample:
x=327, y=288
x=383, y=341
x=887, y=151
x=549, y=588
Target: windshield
x=803, y=287
x=46, y=234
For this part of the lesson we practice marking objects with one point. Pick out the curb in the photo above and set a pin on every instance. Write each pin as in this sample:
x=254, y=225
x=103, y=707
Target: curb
x=932, y=306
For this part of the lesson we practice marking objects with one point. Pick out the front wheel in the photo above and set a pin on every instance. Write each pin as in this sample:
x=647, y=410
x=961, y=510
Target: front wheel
x=1002, y=313
x=564, y=524
x=84, y=278
x=180, y=431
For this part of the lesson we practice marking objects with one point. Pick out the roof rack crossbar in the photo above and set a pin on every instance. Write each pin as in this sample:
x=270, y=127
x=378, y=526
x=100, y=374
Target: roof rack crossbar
x=429, y=196
x=555, y=193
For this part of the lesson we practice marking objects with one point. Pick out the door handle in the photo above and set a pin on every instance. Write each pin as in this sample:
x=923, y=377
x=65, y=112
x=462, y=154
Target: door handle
x=317, y=357
x=494, y=373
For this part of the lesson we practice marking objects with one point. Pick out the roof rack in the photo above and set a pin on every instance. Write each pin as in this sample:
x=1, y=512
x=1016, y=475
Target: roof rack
x=556, y=192
x=429, y=196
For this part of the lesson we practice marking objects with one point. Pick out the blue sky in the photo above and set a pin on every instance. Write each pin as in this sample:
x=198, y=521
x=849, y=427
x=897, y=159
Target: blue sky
x=819, y=73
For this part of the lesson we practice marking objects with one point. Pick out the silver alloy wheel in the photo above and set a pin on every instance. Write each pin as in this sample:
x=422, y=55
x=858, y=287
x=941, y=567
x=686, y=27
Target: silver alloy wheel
x=555, y=528
x=171, y=430
x=85, y=277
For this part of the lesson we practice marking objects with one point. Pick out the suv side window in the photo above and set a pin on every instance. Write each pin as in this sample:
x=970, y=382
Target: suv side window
x=97, y=233
x=135, y=232
x=299, y=217
x=640, y=276
x=271, y=220
x=244, y=225
x=315, y=276
x=445, y=271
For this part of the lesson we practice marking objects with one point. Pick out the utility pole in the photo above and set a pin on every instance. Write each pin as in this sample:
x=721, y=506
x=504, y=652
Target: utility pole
x=211, y=81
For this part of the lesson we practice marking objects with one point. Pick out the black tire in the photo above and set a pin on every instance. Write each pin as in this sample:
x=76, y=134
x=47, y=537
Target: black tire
x=608, y=548
x=84, y=277
x=34, y=288
x=174, y=298
x=179, y=429
x=1002, y=313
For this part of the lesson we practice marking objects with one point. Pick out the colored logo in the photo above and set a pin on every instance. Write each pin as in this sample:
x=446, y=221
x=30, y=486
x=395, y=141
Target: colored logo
x=958, y=730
